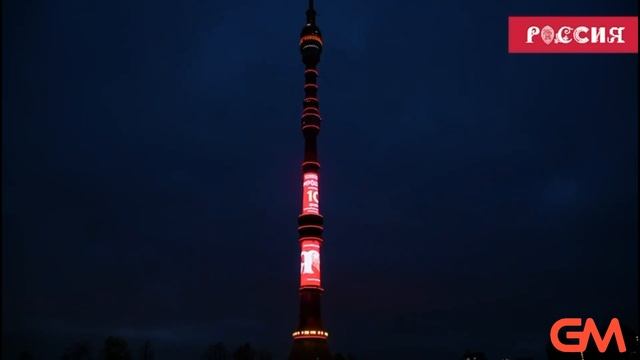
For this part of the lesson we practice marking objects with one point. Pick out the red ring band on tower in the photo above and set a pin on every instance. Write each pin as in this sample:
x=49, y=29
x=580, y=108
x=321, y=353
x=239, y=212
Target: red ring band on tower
x=311, y=238
x=310, y=37
x=311, y=163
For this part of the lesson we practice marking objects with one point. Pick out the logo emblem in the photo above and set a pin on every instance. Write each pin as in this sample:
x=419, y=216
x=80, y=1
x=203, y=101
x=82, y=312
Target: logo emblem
x=573, y=34
x=582, y=336
x=547, y=34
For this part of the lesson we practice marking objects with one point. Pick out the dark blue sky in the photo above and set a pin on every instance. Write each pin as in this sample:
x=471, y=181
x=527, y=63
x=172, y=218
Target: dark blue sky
x=151, y=178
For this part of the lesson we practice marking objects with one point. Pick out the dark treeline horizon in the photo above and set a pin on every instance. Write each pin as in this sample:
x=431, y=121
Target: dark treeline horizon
x=119, y=348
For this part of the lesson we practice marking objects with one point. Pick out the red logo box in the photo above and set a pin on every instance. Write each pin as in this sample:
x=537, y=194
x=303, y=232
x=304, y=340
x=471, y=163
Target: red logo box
x=573, y=34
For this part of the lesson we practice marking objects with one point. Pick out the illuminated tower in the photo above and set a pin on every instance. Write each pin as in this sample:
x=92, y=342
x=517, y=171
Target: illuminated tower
x=310, y=338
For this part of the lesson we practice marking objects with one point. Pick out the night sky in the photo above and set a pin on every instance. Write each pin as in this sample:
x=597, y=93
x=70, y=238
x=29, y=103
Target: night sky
x=151, y=176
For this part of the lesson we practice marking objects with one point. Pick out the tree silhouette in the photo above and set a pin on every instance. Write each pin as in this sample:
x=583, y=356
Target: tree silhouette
x=339, y=356
x=216, y=352
x=265, y=355
x=78, y=351
x=474, y=355
x=25, y=355
x=116, y=348
x=146, y=353
x=244, y=352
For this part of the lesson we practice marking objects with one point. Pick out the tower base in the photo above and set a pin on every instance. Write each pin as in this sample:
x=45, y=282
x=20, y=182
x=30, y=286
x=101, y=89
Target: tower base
x=310, y=349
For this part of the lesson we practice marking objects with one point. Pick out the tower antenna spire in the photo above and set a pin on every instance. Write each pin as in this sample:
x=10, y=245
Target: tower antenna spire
x=311, y=13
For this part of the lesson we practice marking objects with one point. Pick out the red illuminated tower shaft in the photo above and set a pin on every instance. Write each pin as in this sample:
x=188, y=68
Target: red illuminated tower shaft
x=310, y=338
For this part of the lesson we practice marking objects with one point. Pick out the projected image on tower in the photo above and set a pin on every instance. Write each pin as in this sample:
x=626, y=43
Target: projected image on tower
x=310, y=200
x=310, y=263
